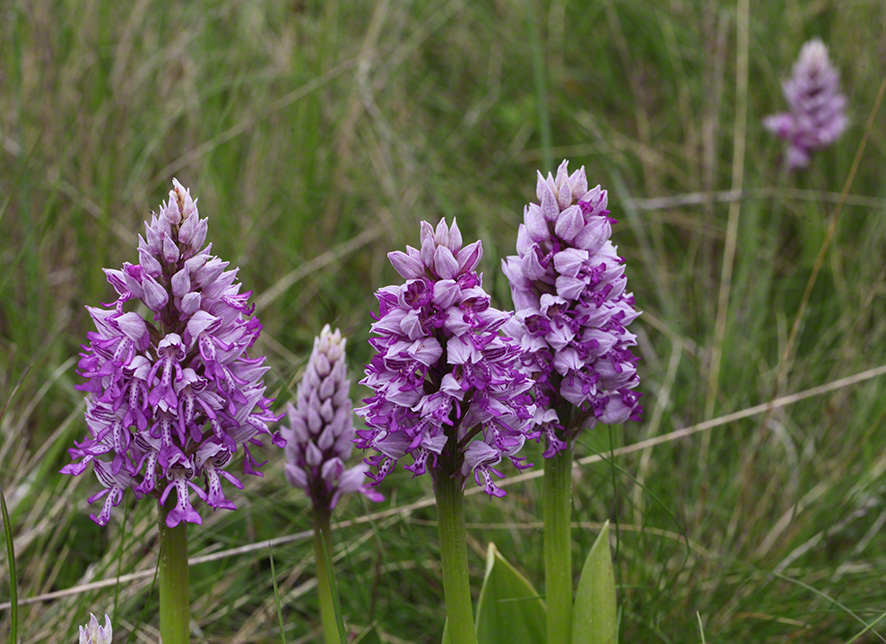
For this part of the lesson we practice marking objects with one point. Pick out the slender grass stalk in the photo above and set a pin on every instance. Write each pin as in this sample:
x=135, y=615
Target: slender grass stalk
x=325, y=576
x=558, y=545
x=454, y=554
x=7, y=526
x=700, y=627
x=174, y=604
x=144, y=610
x=13, y=586
x=276, y=596
x=120, y=560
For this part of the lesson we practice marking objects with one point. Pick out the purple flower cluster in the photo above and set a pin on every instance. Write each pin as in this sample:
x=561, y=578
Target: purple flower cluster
x=817, y=114
x=446, y=383
x=172, y=393
x=320, y=436
x=568, y=285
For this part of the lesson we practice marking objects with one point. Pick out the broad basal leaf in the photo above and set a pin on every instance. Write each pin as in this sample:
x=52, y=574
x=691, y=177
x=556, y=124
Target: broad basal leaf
x=510, y=609
x=594, y=617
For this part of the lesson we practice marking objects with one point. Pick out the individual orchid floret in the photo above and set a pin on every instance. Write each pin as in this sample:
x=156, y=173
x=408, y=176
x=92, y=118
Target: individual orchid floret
x=569, y=288
x=446, y=383
x=93, y=633
x=320, y=435
x=172, y=393
x=817, y=110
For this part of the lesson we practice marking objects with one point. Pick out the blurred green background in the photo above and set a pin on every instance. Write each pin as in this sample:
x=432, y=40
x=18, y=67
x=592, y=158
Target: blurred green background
x=316, y=136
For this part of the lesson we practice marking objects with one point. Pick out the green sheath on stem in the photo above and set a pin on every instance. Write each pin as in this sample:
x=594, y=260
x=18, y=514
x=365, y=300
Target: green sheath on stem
x=454, y=556
x=322, y=554
x=558, y=545
x=174, y=605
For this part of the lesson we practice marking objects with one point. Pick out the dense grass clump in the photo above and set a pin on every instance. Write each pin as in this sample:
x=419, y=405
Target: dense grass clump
x=317, y=135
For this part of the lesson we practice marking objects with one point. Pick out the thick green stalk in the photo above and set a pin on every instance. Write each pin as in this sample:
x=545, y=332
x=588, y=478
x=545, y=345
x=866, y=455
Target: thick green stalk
x=322, y=553
x=454, y=556
x=558, y=545
x=174, y=605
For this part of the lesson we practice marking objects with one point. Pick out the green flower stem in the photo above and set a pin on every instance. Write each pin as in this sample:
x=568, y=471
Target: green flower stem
x=454, y=556
x=174, y=605
x=325, y=580
x=558, y=545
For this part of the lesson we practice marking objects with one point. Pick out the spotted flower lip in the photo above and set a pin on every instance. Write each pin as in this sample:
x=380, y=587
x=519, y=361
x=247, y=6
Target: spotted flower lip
x=817, y=109
x=320, y=432
x=442, y=373
x=572, y=310
x=171, y=391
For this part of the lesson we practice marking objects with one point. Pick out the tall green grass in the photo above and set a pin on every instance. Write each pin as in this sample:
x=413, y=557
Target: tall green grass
x=316, y=136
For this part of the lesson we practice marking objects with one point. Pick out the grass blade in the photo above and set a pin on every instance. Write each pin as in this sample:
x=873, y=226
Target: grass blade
x=120, y=559
x=334, y=589
x=276, y=596
x=866, y=629
x=10, y=555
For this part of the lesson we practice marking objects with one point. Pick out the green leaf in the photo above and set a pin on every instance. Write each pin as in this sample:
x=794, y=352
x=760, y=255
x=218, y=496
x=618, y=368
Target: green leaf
x=333, y=589
x=276, y=595
x=594, y=619
x=510, y=609
x=13, y=588
x=446, y=632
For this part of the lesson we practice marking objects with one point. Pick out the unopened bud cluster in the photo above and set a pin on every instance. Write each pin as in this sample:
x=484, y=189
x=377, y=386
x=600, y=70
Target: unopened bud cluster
x=320, y=435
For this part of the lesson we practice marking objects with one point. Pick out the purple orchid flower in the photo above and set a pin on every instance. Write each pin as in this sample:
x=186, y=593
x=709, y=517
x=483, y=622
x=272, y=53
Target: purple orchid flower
x=172, y=396
x=817, y=115
x=569, y=289
x=445, y=380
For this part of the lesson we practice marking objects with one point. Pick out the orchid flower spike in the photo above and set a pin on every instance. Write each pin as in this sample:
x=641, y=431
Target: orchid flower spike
x=573, y=311
x=172, y=393
x=446, y=383
x=320, y=435
x=817, y=114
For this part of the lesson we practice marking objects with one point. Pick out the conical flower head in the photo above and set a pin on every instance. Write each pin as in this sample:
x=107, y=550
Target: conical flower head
x=445, y=381
x=320, y=435
x=569, y=288
x=172, y=393
x=93, y=633
x=817, y=115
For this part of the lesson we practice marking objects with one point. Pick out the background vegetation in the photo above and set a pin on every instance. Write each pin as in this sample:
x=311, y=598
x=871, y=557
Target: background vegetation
x=316, y=135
